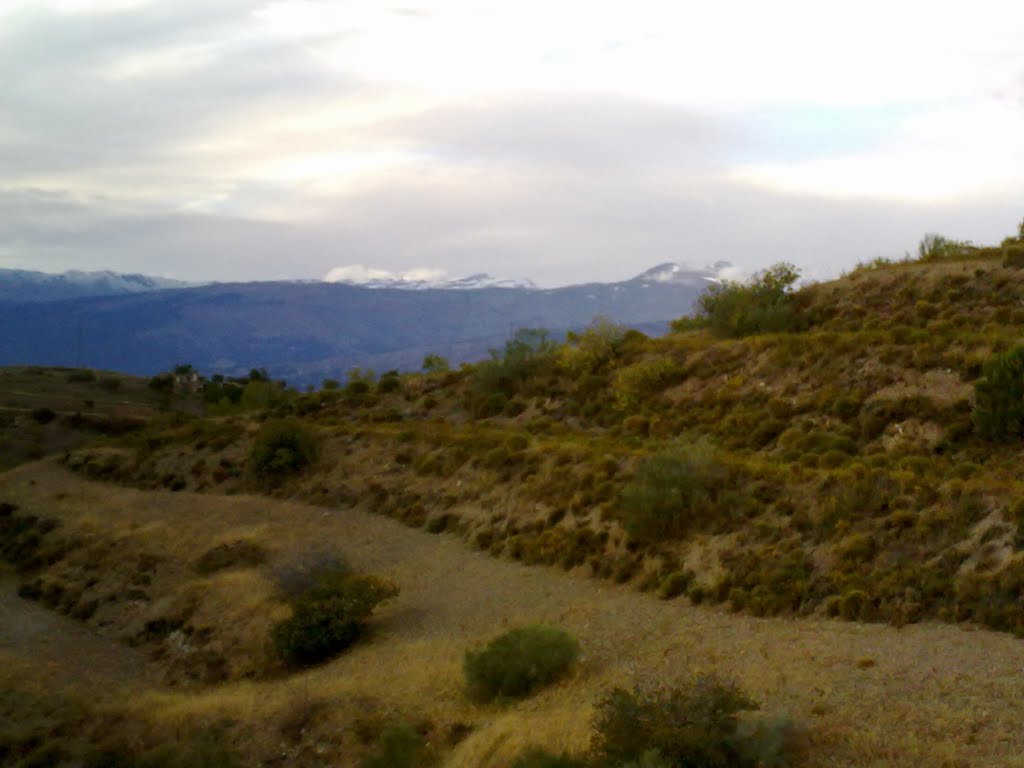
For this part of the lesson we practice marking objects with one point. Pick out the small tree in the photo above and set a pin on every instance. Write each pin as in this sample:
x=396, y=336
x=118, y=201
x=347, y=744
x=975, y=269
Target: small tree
x=435, y=364
x=999, y=397
x=765, y=304
x=935, y=247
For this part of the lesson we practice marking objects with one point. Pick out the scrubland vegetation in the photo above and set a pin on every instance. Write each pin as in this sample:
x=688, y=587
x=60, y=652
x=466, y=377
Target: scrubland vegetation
x=838, y=452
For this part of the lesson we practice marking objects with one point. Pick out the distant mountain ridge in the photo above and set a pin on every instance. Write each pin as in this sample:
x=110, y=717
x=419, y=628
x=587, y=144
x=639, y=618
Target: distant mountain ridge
x=307, y=331
x=23, y=286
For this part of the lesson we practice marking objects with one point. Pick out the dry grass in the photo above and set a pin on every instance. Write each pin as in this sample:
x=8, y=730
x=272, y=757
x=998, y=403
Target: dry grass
x=934, y=695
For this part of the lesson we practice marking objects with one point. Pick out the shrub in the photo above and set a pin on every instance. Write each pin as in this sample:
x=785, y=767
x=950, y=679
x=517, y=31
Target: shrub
x=282, y=447
x=528, y=353
x=593, y=349
x=329, y=617
x=999, y=397
x=1013, y=256
x=43, y=415
x=435, y=364
x=935, y=247
x=399, y=746
x=693, y=727
x=675, y=584
x=634, y=383
x=519, y=662
x=765, y=304
x=679, y=489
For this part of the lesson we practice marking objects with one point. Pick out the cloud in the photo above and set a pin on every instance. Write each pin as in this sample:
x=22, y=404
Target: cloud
x=253, y=139
x=599, y=134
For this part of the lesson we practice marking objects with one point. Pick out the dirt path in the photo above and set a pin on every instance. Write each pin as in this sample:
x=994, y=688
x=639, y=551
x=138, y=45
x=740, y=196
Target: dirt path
x=870, y=695
x=67, y=653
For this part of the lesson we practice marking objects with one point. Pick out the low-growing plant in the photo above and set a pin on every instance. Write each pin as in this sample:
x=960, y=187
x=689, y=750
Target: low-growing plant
x=282, y=447
x=999, y=397
x=329, y=616
x=688, y=727
x=519, y=662
x=680, y=489
x=399, y=745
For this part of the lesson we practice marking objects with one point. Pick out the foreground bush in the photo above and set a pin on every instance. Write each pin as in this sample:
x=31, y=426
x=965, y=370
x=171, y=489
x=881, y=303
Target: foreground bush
x=519, y=662
x=329, y=617
x=694, y=727
x=282, y=447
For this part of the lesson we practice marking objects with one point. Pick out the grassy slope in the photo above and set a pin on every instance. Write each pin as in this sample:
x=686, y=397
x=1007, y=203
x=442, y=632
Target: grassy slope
x=45, y=410
x=854, y=484
x=869, y=695
x=856, y=487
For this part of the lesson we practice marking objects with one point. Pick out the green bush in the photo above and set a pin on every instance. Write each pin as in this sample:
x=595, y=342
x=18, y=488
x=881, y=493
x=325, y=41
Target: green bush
x=399, y=746
x=634, y=383
x=694, y=727
x=680, y=489
x=282, y=447
x=765, y=304
x=999, y=397
x=935, y=247
x=529, y=353
x=519, y=662
x=329, y=617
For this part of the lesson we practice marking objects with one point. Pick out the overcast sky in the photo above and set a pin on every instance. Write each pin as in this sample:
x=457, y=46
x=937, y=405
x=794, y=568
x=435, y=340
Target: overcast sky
x=561, y=141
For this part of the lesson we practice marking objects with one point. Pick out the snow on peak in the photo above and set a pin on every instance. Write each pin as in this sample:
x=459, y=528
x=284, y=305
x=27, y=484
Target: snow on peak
x=674, y=272
x=417, y=279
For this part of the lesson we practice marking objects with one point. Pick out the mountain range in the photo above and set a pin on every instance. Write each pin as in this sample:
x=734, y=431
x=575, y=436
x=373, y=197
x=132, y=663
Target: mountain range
x=307, y=331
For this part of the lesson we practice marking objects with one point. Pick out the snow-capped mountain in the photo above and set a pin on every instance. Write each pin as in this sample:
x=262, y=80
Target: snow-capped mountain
x=681, y=274
x=305, y=331
x=424, y=279
x=419, y=279
x=25, y=286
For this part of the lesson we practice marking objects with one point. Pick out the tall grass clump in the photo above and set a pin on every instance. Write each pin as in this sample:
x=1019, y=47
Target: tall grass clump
x=519, y=662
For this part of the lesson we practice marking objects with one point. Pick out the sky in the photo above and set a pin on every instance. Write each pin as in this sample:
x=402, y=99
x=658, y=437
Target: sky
x=559, y=141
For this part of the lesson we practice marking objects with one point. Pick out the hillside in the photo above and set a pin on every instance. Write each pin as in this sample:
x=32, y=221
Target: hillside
x=864, y=695
x=817, y=488
x=834, y=469
x=306, y=332
x=19, y=286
